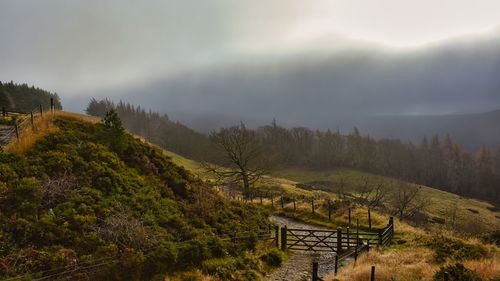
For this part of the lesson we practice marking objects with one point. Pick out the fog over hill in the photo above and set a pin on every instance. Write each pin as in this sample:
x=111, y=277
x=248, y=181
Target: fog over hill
x=386, y=93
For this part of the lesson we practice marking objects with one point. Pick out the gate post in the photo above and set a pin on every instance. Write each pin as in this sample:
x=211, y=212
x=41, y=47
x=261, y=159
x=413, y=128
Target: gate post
x=315, y=271
x=380, y=237
x=339, y=240
x=336, y=264
x=372, y=277
x=283, y=238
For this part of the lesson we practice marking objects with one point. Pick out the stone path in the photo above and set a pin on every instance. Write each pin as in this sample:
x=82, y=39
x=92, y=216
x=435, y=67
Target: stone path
x=299, y=266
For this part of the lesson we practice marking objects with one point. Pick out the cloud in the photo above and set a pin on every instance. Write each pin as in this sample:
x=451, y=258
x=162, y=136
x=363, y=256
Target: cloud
x=82, y=47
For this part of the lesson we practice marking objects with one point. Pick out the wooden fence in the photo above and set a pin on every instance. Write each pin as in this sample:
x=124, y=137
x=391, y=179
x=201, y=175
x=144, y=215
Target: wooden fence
x=20, y=120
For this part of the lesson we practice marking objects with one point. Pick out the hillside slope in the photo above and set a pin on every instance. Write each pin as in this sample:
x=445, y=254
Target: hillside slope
x=90, y=198
x=472, y=215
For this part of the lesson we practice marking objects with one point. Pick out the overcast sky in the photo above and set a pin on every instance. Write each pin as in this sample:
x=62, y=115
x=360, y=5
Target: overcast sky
x=78, y=47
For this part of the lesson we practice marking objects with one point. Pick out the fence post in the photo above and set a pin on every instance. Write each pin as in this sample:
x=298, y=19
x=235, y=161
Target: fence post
x=380, y=237
x=315, y=271
x=369, y=219
x=16, y=125
x=446, y=276
x=32, y=121
x=372, y=276
x=260, y=194
x=391, y=220
x=294, y=207
x=52, y=106
x=329, y=211
x=336, y=264
x=41, y=110
x=282, y=202
x=349, y=216
x=312, y=205
x=339, y=240
x=283, y=238
x=4, y=113
x=356, y=251
x=348, y=237
x=277, y=236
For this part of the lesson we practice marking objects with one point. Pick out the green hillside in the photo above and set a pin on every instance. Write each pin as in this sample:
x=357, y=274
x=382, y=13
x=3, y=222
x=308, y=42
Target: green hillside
x=472, y=215
x=90, y=197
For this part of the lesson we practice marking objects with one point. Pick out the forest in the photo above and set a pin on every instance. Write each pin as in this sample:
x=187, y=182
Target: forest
x=436, y=162
x=24, y=98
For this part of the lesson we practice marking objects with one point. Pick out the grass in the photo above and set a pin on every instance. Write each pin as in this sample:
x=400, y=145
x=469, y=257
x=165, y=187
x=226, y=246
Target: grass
x=403, y=265
x=484, y=217
x=407, y=259
x=43, y=126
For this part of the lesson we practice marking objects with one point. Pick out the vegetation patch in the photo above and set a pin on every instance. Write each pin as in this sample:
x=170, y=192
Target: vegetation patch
x=90, y=192
x=456, y=272
x=455, y=249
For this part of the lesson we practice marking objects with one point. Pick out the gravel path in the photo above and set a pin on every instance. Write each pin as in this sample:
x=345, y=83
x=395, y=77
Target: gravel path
x=299, y=266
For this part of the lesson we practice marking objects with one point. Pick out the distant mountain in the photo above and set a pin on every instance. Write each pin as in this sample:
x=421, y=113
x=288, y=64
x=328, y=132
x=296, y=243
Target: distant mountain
x=469, y=130
x=329, y=90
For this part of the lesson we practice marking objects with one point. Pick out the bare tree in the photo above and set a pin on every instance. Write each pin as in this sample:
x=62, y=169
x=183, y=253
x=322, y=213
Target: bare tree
x=372, y=195
x=408, y=200
x=240, y=157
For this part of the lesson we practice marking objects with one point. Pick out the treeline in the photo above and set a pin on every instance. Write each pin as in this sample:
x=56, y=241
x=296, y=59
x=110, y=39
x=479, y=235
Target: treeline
x=438, y=163
x=155, y=128
x=24, y=98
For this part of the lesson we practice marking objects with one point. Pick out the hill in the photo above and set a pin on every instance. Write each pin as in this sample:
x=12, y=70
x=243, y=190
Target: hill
x=471, y=215
x=21, y=97
x=90, y=199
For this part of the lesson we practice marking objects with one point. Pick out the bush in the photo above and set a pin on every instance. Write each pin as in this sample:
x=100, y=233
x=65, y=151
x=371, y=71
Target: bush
x=273, y=258
x=446, y=247
x=492, y=238
x=222, y=268
x=456, y=272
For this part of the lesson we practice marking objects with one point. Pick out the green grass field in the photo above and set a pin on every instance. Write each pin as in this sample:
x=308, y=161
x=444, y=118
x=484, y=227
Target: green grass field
x=471, y=215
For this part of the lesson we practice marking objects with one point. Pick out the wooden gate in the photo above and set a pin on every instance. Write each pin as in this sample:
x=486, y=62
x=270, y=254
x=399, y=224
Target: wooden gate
x=311, y=240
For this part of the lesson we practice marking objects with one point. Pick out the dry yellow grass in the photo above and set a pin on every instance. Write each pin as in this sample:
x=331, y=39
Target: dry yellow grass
x=486, y=268
x=28, y=136
x=403, y=265
x=43, y=125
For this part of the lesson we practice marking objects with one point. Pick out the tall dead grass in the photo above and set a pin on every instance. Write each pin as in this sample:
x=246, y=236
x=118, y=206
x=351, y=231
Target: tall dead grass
x=403, y=265
x=43, y=125
x=487, y=268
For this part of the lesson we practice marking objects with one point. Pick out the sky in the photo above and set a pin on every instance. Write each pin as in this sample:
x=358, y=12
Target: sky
x=80, y=48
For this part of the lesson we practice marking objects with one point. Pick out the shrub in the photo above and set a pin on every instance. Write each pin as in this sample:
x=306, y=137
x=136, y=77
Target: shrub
x=222, y=268
x=456, y=272
x=273, y=258
x=492, y=237
x=446, y=247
